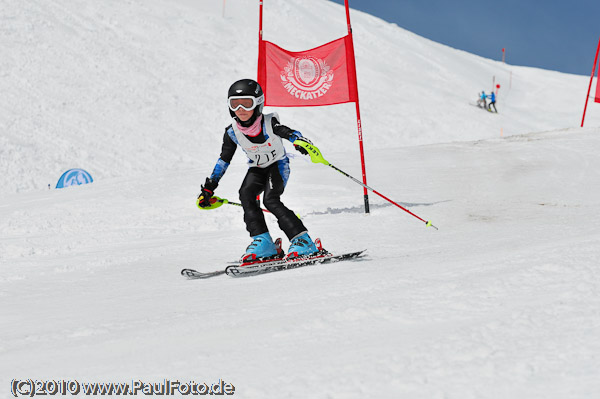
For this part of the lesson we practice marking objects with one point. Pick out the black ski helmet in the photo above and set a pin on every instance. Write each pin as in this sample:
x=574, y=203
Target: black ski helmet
x=250, y=88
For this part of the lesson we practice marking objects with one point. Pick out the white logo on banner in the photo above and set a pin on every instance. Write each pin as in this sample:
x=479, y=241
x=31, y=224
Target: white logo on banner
x=306, y=77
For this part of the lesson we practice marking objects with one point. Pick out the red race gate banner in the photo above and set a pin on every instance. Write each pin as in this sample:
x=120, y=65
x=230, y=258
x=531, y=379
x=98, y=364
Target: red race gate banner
x=324, y=75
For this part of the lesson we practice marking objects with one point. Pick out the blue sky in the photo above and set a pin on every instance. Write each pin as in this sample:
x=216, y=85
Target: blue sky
x=560, y=35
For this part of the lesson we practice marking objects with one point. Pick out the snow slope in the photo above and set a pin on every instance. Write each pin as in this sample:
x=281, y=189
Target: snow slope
x=501, y=302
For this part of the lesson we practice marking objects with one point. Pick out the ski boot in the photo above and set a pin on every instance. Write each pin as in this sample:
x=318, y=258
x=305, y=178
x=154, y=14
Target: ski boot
x=302, y=246
x=262, y=248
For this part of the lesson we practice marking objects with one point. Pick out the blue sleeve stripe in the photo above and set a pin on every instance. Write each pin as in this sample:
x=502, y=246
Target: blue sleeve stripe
x=231, y=134
x=219, y=170
x=295, y=136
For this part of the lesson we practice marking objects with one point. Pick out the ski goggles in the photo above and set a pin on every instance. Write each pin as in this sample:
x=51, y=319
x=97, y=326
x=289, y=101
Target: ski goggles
x=247, y=103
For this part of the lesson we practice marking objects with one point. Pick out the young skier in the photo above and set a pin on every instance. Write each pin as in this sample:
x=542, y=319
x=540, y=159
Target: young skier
x=492, y=102
x=260, y=137
x=482, y=100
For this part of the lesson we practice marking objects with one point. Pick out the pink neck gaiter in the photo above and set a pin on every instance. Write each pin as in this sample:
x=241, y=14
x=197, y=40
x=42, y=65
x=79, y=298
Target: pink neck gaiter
x=254, y=129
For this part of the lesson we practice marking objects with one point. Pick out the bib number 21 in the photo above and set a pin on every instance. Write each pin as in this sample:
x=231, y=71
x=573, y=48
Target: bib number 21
x=265, y=158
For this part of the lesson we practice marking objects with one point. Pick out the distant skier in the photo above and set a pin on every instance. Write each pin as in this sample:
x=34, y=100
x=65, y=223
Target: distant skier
x=492, y=102
x=260, y=137
x=482, y=102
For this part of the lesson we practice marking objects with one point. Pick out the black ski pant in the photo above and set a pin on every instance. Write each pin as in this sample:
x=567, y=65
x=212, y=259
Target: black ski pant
x=490, y=106
x=270, y=181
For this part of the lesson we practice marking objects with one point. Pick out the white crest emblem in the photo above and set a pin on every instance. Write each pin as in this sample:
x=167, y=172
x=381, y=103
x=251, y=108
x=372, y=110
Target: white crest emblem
x=306, y=77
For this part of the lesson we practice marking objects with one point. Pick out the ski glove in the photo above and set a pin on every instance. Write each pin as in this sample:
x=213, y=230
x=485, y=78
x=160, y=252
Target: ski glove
x=302, y=150
x=207, y=192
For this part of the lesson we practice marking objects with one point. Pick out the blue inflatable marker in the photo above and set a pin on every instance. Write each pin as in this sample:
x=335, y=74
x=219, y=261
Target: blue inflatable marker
x=74, y=177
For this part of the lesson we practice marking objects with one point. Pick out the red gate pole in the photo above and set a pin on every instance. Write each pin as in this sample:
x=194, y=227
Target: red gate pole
x=590, y=86
x=358, y=122
x=261, y=47
x=260, y=15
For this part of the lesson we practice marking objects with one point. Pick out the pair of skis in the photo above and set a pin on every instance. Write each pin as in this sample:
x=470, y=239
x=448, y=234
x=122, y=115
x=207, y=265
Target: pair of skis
x=262, y=267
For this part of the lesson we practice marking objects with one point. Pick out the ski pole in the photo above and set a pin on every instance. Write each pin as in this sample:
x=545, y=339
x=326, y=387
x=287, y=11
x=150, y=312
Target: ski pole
x=317, y=157
x=216, y=202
